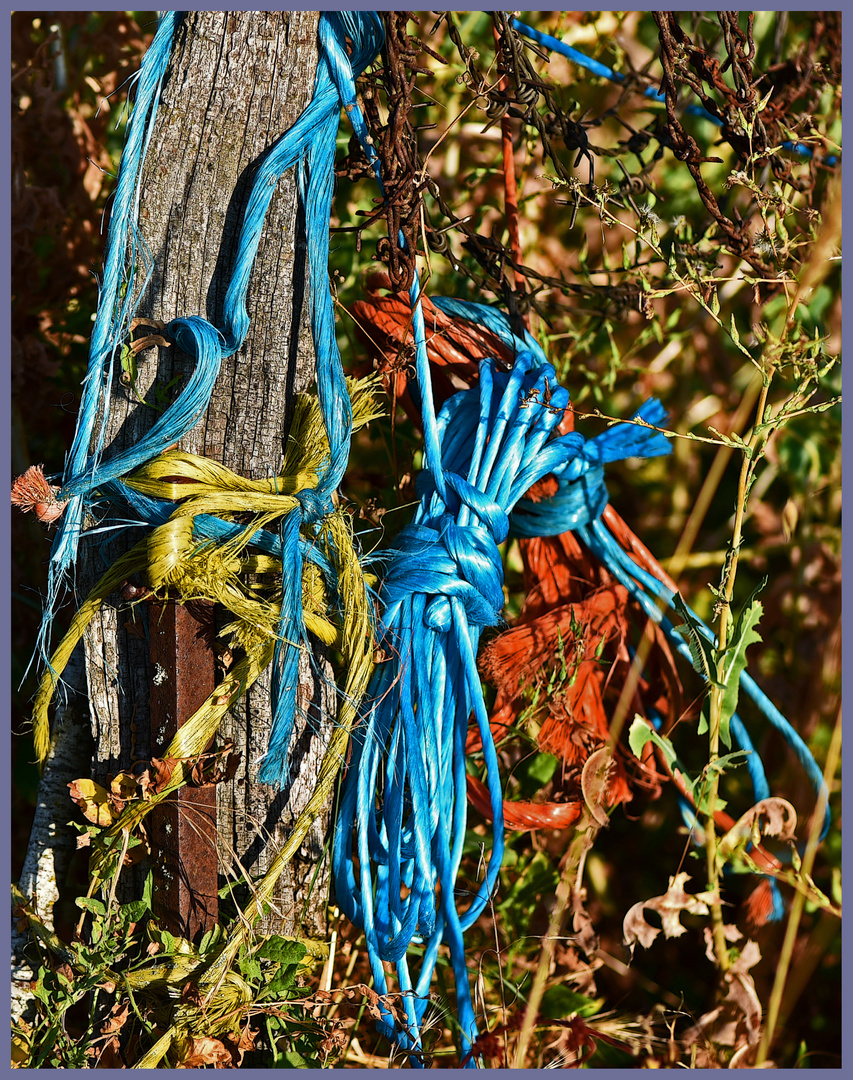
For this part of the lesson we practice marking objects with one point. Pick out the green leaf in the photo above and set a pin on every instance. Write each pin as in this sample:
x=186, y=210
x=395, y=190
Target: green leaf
x=561, y=1001
x=279, y=985
x=281, y=950
x=39, y=990
x=640, y=733
x=701, y=650
x=89, y=903
x=148, y=890
x=210, y=940
x=167, y=942
x=250, y=969
x=128, y=364
x=738, y=757
x=133, y=911
x=295, y=1060
x=745, y=635
x=531, y=880
x=287, y=953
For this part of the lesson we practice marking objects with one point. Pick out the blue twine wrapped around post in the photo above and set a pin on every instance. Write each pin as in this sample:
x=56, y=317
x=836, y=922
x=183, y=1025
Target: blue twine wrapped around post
x=113, y=317
x=311, y=142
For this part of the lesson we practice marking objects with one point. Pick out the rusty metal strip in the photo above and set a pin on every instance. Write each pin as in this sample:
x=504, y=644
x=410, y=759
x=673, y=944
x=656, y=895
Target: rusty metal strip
x=183, y=828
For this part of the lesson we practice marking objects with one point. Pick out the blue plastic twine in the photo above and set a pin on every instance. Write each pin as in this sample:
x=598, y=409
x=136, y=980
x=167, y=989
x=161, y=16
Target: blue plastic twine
x=311, y=143
x=403, y=808
x=112, y=320
x=577, y=506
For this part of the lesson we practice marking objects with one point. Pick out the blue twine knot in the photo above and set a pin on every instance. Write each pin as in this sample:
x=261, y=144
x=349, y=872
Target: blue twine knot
x=581, y=494
x=315, y=505
x=441, y=561
x=403, y=807
x=578, y=501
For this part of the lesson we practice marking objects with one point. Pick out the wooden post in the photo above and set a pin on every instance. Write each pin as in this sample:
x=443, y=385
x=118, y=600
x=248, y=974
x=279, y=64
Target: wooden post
x=236, y=81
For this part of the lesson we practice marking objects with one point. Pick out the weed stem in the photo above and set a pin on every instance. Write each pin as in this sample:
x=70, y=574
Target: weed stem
x=799, y=901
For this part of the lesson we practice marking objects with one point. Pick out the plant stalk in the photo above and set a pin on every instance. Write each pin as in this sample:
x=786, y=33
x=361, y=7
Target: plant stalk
x=799, y=901
x=716, y=701
x=568, y=885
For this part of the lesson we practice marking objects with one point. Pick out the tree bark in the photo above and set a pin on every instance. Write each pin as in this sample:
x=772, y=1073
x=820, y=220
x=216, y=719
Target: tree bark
x=52, y=844
x=236, y=82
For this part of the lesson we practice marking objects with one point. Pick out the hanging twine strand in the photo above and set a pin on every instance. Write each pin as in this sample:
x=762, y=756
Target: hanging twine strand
x=404, y=800
x=311, y=143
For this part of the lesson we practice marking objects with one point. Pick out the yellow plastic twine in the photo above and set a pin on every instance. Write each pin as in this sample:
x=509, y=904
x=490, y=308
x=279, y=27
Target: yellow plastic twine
x=174, y=562
x=355, y=620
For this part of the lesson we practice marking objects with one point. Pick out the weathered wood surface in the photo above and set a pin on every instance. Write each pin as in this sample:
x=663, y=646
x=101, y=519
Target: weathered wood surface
x=237, y=81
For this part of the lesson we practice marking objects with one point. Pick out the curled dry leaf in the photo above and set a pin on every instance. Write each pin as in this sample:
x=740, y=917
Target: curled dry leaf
x=109, y=1056
x=194, y=1052
x=737, y=1020
x=157, y=775
x=94, y=801
x=336, y=1040
x=669, y=907
x=594, y=782
x=769, y=817
x=245, y=1043
x=732, y=934
x=123, y=788
x=191, y=994
x=742, y=994
x=117, y=1018
x=214, y=768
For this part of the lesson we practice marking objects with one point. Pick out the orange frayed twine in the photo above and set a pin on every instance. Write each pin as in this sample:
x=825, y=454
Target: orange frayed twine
x=31, y=491
x=454, y=346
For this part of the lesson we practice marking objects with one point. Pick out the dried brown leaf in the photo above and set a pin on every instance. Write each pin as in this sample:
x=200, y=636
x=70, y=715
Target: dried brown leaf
x=93, y=800
x=160, y=773
x=732, y=934
x=117, y=1018
x=244, y=1044
x=769, y=817
x=194, y=1052
x=594, y=782
x=669, y=906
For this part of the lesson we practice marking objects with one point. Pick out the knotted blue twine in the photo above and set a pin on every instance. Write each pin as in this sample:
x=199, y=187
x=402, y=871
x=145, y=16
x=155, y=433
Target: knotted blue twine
x=577, y=506
x=403, y=808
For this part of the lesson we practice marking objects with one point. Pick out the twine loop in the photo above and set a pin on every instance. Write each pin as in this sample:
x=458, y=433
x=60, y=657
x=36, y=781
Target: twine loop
x=314, y=504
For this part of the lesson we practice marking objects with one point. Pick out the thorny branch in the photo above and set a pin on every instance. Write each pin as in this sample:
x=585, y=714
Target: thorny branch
x=752, y=127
